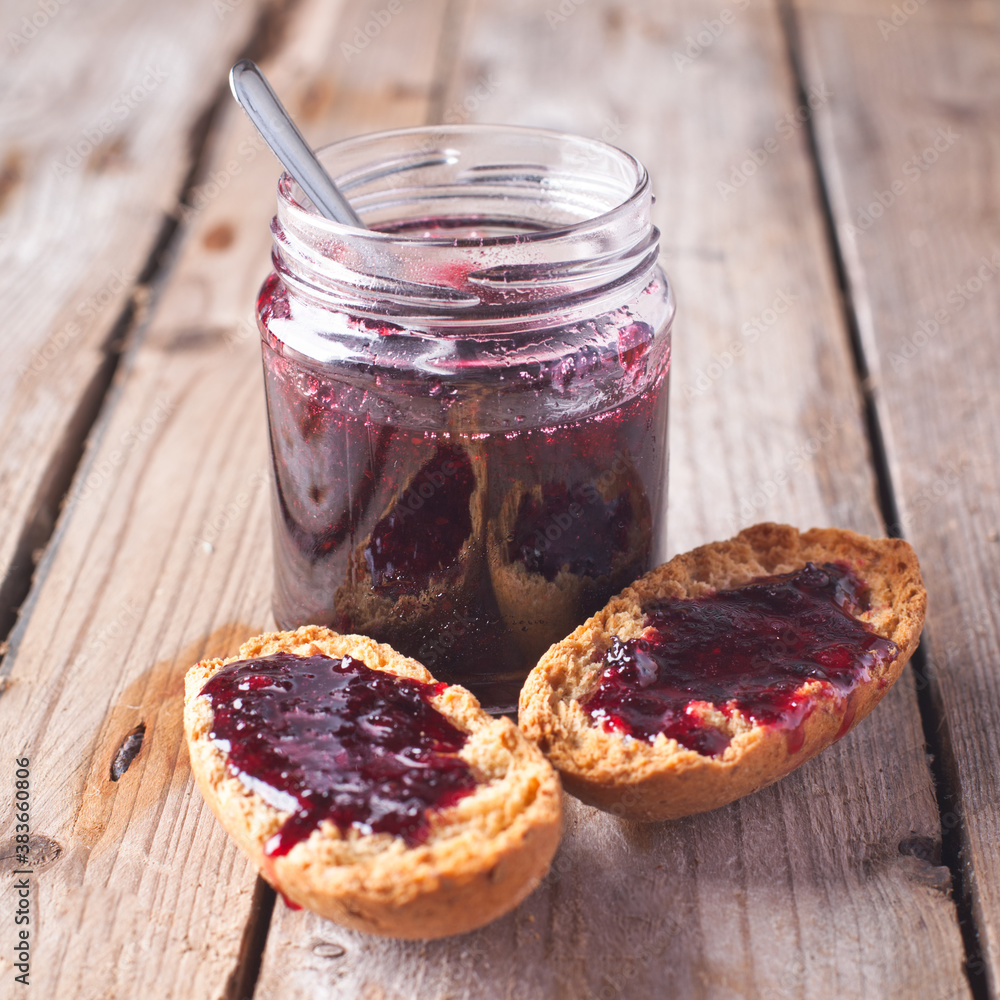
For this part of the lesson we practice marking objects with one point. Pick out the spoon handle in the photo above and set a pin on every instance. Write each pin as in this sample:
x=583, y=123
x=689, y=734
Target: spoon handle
x=259, y=101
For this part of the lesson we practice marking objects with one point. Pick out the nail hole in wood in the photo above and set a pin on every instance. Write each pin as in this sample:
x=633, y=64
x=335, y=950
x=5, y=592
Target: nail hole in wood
x=128, y=751
x=327, y=949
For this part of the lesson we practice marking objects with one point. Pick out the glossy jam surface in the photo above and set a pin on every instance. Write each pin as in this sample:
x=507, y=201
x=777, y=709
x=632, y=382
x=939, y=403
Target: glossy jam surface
x=750, y=649
x=328, y=738
x=421, y=535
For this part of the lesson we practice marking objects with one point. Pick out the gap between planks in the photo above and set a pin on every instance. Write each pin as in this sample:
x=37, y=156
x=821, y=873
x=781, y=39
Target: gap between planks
x=18, y=589
x=125, y=332
x=932, y=718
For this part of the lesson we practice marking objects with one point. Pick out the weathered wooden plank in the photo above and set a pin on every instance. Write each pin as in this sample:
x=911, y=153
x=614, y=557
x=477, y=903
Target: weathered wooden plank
x=909, y=151
x=811, y=888
x=101, y=104
x=162, y=556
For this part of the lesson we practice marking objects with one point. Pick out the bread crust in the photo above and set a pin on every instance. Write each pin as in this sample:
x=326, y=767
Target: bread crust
x=664, y=780
x=483, y=856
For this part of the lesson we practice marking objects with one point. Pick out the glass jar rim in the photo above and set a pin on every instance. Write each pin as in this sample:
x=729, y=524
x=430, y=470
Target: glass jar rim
x=289, y=192
x=511, y=222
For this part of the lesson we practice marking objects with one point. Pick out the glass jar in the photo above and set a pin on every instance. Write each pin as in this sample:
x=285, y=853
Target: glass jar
x=467, y=401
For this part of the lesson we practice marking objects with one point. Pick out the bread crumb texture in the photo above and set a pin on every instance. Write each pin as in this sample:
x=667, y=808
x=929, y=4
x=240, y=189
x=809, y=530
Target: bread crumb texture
x=484, y=854
x=662, y=779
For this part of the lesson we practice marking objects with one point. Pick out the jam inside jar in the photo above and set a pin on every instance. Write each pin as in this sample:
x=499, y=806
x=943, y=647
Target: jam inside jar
x=467, y=401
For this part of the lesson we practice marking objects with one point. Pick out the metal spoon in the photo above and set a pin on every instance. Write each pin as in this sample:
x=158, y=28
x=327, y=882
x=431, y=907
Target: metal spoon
x=259, y=101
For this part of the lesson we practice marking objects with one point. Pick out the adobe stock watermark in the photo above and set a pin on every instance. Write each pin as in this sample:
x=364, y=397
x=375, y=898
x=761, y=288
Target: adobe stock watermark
x=378, y=20
x=751, y=332
x=562, y=11
x=920, y=508
x=461, y=111
x=223, y=8
x=794, y=460
x=217, y=182
x=116, y=112
x=962, y=626
x=584, y=157
x=245, y=330
x=32, y=24
x=22, y=886
x=708, y=33
x=957, y=299
x=789, y=983
x=612, y=128
x=461, y=629
x=129, y=613
x=424, y=487
x=128, y=441
x=912, y=170
x=554, y=526
x=928, y=497
x=225, y=517
x=784, y=128
x=455, y=114
x=900, y=14
x=89, y=309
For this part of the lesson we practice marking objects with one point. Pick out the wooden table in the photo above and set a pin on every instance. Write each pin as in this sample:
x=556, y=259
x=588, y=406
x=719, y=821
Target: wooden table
x=826, y=174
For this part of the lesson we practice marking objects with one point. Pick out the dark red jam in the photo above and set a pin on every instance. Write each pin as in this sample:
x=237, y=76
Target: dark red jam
x=749, y=650
x=571, y=529
x=348, y=519
x=423, y=533
x=326, y=738
x=415, y=475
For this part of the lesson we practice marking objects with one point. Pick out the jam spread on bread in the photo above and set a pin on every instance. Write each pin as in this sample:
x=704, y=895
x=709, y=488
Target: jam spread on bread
x=749, y=650
x=327, y=738
x=424, y=532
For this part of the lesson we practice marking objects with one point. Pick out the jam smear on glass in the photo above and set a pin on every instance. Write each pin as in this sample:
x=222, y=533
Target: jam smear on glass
x=572, y=529
x=749, y=649
x=345, y=482
x=328, y=738
x=423, y=533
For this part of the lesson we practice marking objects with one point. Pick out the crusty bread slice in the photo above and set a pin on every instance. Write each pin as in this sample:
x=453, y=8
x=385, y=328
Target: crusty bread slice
x=662, y=779
x=484, y=854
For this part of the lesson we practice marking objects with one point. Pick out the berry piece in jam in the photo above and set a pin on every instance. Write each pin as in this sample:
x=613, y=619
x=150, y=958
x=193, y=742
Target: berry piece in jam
x=749, y=650
x=424, y=532
x=572, y=529
x=633, y=343
x=327, y=738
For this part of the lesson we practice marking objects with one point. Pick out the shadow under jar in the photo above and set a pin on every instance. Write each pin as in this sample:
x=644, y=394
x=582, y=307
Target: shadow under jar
x=467, y=401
